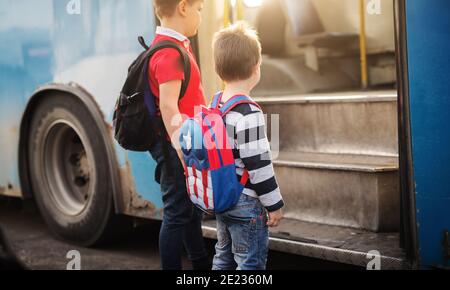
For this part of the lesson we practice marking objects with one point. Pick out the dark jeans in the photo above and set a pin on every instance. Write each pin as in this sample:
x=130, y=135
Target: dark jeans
x=181, y=220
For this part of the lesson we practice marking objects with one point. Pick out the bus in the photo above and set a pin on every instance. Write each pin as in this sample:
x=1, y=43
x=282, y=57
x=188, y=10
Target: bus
x=359, y=89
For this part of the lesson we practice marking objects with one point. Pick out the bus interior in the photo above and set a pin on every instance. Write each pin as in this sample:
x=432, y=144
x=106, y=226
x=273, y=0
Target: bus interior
x=329, y=84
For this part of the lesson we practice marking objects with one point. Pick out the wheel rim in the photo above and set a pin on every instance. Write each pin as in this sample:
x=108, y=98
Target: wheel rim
x=68, y=168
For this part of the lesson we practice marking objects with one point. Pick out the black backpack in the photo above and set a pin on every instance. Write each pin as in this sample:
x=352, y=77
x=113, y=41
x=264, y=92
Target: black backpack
x=136, y=125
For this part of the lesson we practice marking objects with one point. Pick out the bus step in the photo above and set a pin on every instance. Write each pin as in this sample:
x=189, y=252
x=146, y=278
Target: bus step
x=333, y=243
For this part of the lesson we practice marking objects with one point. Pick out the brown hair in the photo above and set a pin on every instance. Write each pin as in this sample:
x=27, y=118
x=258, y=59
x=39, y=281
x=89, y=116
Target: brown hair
x=237, y=51
x=166, y=8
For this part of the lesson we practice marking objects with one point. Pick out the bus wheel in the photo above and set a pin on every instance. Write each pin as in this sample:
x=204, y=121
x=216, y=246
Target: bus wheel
x=69, y=171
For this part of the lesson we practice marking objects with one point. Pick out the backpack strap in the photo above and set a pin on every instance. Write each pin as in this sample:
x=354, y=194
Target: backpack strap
x=245, y=177
x=142, y=43
x=235, y=101
x=184, y=57
x=231, y=103
x=228, y=106
x=216, y=100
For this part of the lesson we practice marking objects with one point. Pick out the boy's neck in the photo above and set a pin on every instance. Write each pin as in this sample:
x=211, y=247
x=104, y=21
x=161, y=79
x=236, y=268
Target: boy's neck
x=236, y=88
x=174, y=25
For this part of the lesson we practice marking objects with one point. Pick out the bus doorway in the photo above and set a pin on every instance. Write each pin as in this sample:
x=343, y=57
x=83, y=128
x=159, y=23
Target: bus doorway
x=329, y=81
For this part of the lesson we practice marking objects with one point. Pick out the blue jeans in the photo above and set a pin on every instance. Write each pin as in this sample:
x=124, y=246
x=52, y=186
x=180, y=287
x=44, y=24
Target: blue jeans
x=243, y=236
x=181, y=225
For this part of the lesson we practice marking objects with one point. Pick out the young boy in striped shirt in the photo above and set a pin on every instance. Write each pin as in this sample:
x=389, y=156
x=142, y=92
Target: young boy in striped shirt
x=243, y=234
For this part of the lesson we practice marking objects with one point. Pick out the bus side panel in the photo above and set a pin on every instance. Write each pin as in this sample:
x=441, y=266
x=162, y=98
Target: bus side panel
x=91, y=45
x=428, y=29
x=26, y=60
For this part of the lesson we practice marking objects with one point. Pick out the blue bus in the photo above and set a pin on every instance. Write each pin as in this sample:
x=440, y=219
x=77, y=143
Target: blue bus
x=361, y=101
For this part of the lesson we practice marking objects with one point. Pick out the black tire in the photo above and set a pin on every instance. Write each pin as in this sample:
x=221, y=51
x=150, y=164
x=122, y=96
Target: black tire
x=69, y=172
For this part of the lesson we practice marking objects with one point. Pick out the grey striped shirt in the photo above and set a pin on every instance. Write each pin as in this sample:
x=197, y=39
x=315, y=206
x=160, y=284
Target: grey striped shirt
x=247, y=132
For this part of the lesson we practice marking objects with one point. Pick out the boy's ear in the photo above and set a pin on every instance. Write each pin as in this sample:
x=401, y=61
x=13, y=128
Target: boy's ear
x=182, y=7
x=257, y=67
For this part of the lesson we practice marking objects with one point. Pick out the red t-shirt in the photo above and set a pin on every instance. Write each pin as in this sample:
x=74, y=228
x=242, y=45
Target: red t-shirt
x=165, y=66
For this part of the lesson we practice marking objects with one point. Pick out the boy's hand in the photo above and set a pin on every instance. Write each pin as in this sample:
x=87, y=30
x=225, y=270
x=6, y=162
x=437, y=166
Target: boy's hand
x=274, y=218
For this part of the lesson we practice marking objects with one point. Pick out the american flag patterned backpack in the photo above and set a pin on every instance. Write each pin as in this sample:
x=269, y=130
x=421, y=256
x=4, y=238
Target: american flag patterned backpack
x=211, y=179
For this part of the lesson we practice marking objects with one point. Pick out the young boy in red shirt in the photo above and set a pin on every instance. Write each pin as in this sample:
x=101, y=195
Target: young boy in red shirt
x=181, y=224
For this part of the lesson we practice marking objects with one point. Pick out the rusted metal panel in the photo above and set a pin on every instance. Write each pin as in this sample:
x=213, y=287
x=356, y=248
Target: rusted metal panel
x=134, y=204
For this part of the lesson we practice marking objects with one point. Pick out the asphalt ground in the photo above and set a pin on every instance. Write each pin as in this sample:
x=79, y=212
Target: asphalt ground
x=32, y=246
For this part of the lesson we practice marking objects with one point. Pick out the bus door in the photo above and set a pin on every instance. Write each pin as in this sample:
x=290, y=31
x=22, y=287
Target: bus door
x=427, y=94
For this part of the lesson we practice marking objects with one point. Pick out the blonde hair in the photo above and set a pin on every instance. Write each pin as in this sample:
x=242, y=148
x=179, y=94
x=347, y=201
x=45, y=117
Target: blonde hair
x=166, y=8
x=237, y=51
